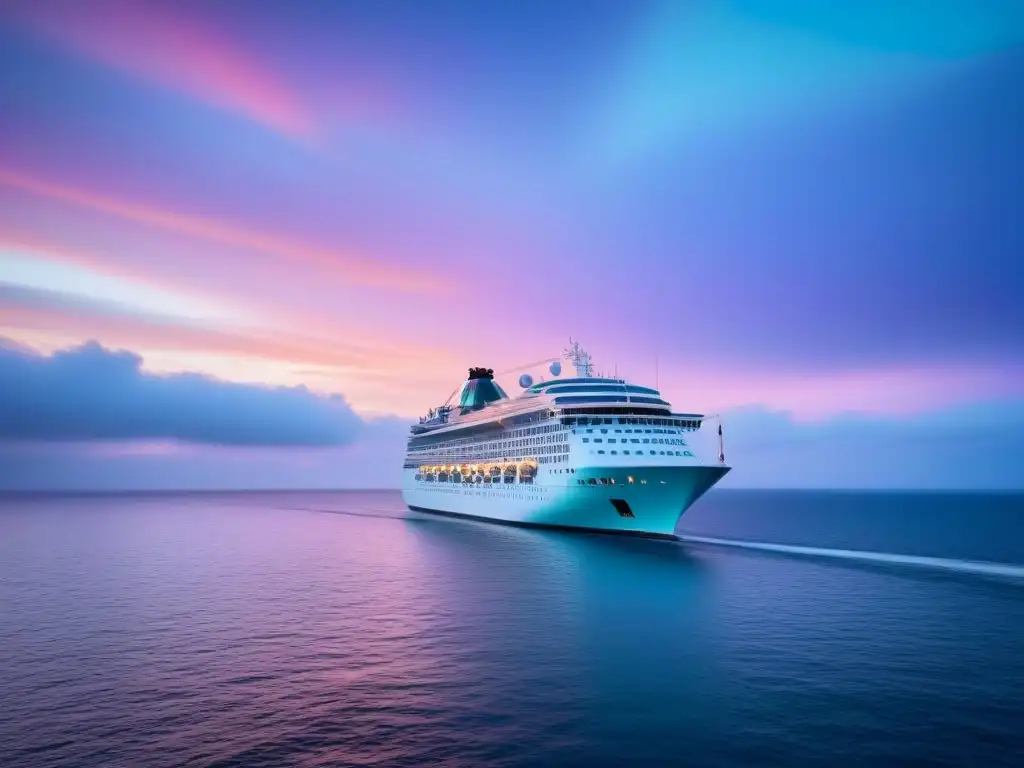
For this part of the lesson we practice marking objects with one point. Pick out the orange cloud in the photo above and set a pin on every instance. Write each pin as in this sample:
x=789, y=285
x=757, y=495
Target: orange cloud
x=159, y=43
x=351, y=268
x=373, y=380
x=56, y=312
x=372, y=373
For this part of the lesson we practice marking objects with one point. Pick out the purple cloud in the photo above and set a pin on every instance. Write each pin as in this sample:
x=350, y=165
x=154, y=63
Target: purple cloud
x=92, y=394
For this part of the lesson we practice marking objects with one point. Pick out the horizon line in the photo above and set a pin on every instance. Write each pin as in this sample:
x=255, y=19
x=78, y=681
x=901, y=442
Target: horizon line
x=392, y=489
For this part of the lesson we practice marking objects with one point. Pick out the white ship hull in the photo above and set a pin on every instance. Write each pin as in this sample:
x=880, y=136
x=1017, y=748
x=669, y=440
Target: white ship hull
x=650, y=505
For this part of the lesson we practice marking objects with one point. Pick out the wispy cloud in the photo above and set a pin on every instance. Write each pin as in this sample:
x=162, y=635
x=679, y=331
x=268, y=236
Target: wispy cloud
x=36, y=268
x=42, y=309
x=352, y=268
x=163, y=43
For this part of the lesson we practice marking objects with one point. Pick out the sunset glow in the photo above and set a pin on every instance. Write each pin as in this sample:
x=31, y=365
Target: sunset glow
x=793, y=211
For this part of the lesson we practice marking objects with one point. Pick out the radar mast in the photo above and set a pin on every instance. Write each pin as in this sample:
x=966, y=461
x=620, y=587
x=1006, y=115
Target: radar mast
x=581, y=360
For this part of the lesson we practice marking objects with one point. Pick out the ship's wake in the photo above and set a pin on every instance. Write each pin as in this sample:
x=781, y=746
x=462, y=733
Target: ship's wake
x=390, y=514
x=1004, y=571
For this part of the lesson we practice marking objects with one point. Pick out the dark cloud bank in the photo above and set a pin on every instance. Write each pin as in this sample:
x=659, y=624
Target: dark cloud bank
x=91, y=393
x=54, y=410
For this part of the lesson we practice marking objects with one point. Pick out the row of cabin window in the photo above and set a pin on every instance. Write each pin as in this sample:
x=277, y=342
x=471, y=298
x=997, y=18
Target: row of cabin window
x=657, y=440
x=523, y=432
x=477, y=457
x=541, y=458
x=559, y=441
x=499, y=445
x=653, y=453
x=605, y=430
x=643, y=420
x=562, y=457
x=481, y=459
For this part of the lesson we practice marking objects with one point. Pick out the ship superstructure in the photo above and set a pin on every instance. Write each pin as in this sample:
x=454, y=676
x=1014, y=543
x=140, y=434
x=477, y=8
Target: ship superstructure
x=585, y=452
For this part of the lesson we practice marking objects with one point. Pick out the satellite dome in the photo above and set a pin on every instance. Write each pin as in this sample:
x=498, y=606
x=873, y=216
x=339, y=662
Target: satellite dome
x=525, y=380
x=556, y=368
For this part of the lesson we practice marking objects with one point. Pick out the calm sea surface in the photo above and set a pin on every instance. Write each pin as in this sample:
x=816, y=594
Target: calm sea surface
x=314, y=629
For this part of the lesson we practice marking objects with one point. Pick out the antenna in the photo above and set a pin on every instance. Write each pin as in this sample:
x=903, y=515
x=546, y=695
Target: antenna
x=656, y=372
x=580, y=359
x=721, y=440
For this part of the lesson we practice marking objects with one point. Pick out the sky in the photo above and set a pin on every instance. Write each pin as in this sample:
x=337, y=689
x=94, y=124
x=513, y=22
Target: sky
x=244, y=244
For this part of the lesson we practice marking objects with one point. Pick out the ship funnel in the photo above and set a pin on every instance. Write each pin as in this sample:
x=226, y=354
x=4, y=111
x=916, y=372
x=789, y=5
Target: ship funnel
x=479, y=390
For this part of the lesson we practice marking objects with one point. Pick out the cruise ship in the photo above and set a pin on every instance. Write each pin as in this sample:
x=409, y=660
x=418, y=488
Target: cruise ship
x=587, y=452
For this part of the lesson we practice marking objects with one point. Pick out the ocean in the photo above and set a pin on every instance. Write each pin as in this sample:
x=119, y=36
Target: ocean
x=315, y=629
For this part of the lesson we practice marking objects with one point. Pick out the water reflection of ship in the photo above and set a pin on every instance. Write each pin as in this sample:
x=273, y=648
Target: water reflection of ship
x=603, y=605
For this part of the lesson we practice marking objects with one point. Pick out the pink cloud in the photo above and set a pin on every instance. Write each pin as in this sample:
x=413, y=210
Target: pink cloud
x=285, y=327
x=356, y=269
x=141, y=332
x=372, y=370
x=158, y=42
x=44, y=251
x=375, y=358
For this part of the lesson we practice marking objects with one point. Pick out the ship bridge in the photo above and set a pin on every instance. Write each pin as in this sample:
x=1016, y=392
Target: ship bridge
x=587, y=390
